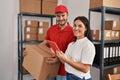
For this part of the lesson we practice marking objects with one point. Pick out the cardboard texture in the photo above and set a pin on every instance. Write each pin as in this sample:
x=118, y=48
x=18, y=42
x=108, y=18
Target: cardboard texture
x=96, y=34
x=115, y=35
x=30, y=6
x=42, y=30
x=112, y=25
x=108, y=71
x=48, y=6
x=29, y=36
x=31, y=23
x=35, y=62
x=108, y=3
x=31, y=30
x=38, y=6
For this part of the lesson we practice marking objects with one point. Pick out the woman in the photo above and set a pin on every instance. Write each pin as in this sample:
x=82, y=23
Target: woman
x=79, y=55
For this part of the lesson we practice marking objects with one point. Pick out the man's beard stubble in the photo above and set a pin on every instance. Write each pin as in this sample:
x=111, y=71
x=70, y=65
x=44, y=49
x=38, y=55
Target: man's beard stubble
x=65, y=21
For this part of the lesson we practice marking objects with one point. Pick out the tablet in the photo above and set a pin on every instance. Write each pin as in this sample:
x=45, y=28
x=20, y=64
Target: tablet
x=53, y=45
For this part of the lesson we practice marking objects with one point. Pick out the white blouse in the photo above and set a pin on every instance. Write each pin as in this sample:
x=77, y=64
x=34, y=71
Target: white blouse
x=82, y=51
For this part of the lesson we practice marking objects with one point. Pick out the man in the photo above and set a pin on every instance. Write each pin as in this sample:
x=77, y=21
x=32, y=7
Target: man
x=62, y=34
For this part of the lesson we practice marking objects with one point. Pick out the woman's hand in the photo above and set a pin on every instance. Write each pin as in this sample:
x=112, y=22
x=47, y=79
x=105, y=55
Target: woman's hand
x=62, y=57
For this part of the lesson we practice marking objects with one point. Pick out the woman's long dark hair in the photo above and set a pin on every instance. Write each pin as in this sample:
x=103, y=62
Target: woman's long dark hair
x=85, y=21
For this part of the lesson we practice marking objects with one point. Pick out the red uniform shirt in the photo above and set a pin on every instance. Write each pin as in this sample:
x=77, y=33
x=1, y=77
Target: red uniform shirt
x=62, y=38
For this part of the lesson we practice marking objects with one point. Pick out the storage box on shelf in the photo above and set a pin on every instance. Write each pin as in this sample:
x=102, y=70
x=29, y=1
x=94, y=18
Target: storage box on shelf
x=30, y=6
x=108, y=3
x=112, y=25
x=42, y=30
x=96, y=34
x=45, y=7
x=30, y=30
x=48, y=6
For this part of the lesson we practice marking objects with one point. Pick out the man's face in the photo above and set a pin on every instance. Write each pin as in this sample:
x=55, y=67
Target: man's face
x=62, y=18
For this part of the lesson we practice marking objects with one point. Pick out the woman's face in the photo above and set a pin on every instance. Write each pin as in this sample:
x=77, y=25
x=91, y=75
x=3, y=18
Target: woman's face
x=79, y=29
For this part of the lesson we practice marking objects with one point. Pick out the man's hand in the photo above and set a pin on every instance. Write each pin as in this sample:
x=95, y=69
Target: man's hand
x=52, y=60
x=24, y=53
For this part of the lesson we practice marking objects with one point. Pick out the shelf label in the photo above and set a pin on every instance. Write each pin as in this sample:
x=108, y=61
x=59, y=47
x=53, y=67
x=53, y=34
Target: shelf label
x=28, y=22
x=28, y=36
x=114, y=24
x=40, y=23
x=40, y=31
x=28, y=29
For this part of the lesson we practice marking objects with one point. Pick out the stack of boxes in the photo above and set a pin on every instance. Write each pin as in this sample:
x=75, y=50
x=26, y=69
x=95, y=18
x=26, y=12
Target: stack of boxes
x=108, y=3
x=114, y=26
x=30, y=6
x=31, y=30
x=111, y=32
x=45, y=7
x=42, y=30
x=35, y=30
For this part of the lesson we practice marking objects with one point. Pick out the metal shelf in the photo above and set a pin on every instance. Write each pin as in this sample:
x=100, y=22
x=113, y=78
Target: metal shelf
x=21, y=42
x=111, y=66
x=106, y=67
x=100, y=56
x=31, y=42
x=109, y=10
x=37, y=15
x=106, y=41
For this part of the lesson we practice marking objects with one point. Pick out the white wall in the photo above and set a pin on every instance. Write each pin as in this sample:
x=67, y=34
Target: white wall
x=76, y=8
x=8, y=39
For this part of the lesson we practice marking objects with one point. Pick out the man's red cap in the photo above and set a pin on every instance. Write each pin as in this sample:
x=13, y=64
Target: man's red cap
x=61, y=8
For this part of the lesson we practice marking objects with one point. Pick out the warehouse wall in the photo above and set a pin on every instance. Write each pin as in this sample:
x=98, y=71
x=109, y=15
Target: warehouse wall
x=76, y=8
x=8, y=39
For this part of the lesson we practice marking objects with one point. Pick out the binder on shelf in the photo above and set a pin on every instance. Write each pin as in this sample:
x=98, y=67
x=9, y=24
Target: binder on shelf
x=106, y=56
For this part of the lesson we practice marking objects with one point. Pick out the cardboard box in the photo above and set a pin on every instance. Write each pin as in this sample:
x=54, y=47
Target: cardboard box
x=48, y=7
x=31, y=30
x=29, y=37
x=115, y=35
x=108, y=71
x=35, y=62
x=42, y=30
x=108, y=3
x=30, y=6
x=31, y=23
x=118, y=69
x=96, y=34
x=112, y=25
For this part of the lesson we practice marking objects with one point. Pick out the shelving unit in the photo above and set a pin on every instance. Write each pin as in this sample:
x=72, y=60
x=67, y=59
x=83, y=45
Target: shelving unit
x=102, y=43
x=21, y=41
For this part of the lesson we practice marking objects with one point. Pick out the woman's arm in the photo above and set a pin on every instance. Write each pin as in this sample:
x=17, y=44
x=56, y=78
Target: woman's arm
x=77, y=65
